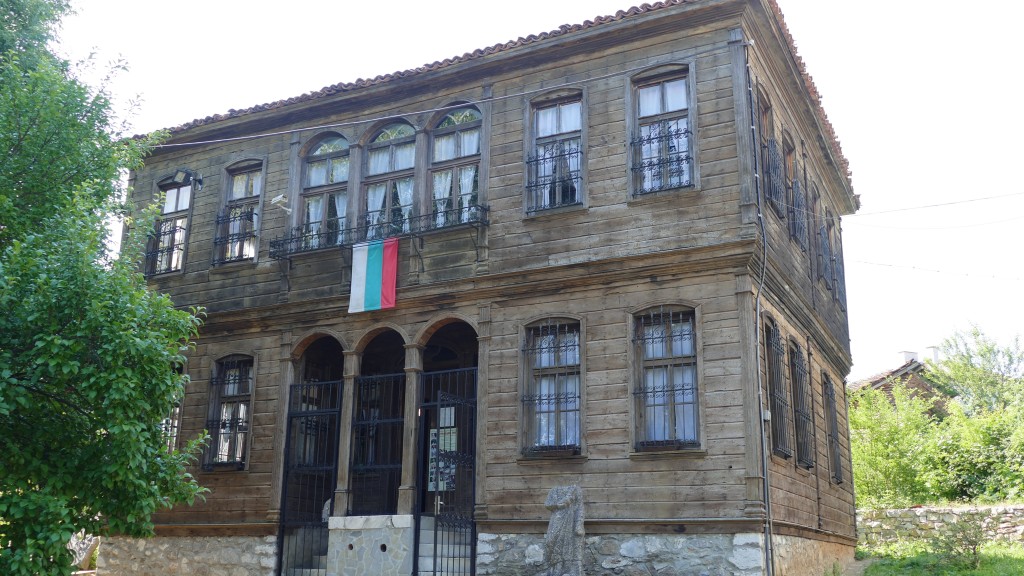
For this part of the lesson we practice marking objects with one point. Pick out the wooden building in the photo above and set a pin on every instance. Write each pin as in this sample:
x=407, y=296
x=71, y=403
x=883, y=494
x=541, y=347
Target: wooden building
x=618, y=264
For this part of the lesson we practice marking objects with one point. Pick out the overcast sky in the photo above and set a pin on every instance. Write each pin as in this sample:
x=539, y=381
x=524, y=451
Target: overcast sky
x=921, y=95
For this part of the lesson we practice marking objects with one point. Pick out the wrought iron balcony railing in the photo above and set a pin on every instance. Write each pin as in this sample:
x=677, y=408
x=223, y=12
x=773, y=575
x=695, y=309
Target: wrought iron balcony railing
x=319, y=235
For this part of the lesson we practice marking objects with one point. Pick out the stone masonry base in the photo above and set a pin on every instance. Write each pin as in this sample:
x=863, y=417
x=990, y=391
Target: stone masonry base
x=195, y=556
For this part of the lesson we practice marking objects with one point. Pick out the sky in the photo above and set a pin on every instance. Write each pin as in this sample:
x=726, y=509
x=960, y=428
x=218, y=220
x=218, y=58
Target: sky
x=921, y=94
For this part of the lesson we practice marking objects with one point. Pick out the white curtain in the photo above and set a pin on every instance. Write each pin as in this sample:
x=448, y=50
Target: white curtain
x=569, y=117
x=375, y=209
x=649, y=98
x=467, y=191
x=675, y=95
x=379, y=160
x=547, y=121
x=340, y=202
x=339, y=169
x=314, y=221
x=404, y=188
x=316, y=173
x=444, y=147
x=442, y=194
x=469, y=142
x=405, y=156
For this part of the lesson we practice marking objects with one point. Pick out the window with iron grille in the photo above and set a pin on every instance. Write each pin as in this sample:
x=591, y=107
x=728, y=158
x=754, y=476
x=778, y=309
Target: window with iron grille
x=391, y=157
x=554, y=177
x=455, y=169
x=802, y=406
x=667, y=405
x=230, y=399
x=170, y=428
x=551, y=396
x=775, y=365
x=165, y=251
x=825, y=250
x=378, y=421
x=236, y=225
x=832, y=416
x=324, y=195
x=840, y=274
x=661, y=157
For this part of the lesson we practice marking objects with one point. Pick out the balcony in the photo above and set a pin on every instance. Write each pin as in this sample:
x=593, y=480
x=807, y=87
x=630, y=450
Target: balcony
x=321, y=235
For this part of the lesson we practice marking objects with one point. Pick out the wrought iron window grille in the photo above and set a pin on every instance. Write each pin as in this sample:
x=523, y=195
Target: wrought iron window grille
x=666, y=394
x=774, y=176
x=825, y=256
x=320, y=235
x=551, y=401
x=228, y=426
x=236, y=237
x=802, y=408
x=554, y=176
x=377, y=435
x=166, y=248
x=831, y=413
x=775, y=352
x=798, y=215
x=661, y=160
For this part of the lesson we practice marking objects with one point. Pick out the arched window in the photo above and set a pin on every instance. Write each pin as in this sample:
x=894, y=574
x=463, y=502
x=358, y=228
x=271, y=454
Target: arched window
x=456, y=167
x=325, y=194
x=391, y=156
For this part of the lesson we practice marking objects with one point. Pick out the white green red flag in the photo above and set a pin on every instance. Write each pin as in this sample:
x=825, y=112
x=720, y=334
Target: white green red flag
x=374, y=269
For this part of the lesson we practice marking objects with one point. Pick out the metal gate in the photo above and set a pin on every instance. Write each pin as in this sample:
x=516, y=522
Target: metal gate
x=445, y=530
x=310, y=475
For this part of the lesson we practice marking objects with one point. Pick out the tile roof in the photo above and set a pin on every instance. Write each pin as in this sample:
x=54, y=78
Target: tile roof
x=773, y=6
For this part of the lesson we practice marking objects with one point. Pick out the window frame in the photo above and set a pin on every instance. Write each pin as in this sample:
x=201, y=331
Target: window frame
x=323, y=233
x=236, y=457
x=803, y=405
x=677, y=314
x=172, y=225
x=778, y=389
x=387, y=225
x=459, y=207
x=237, y=225
x=835, y=454
x=660, y=76
x=540, y=185
x=531, y=396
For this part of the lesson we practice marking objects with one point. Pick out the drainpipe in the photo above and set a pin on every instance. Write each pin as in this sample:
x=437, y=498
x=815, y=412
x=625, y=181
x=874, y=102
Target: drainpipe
x=769, y=549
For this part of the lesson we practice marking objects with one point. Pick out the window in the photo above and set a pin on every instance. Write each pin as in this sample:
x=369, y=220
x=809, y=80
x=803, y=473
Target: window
x=230, y=396
x=775, y=364
x=773, y=174
x=661, y=149
x=666, y=392
x=170, y=427
x=389, y=181
x=166, y=249
x=551, y=399
x=839, y=271
x=325, y=194
x=802, y=406
x=236, y=225
x=835, y=454
x=798, y=213
x=554, y=177
x=456, y=166
x=825, y=249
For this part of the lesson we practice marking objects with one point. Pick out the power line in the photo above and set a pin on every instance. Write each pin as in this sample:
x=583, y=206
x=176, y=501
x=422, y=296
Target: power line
x=935, y=271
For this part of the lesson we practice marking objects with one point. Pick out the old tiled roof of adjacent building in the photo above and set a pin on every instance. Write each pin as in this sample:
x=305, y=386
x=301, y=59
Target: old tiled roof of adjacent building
x=812, y=90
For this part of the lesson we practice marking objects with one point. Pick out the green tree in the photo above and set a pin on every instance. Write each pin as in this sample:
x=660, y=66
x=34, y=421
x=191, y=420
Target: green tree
x=891, y=444
x=983, y=375
x=89, y=358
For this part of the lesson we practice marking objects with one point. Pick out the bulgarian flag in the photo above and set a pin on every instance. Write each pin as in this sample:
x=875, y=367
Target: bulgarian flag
x=374, y=269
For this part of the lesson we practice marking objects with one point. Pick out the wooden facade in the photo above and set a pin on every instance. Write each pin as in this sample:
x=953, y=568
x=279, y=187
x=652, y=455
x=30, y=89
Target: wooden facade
x=710, y=247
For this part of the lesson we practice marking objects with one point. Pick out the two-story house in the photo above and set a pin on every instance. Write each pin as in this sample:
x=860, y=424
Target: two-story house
x=607, y=255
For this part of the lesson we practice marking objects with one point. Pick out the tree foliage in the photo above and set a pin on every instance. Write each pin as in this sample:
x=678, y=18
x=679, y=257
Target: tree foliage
x=89, y=358
x=903, y=455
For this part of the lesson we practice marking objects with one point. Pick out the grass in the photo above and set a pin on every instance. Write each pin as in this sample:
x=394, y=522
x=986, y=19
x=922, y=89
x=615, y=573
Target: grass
x=916, y=558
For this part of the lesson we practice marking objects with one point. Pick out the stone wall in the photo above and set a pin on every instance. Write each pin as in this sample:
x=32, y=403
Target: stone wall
x=361, y=545
x=880, y=526
x=194, y=556
x=628, y=554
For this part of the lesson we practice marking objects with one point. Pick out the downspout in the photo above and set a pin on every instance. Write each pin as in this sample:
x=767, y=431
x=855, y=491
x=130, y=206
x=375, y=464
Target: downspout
x=769, y=549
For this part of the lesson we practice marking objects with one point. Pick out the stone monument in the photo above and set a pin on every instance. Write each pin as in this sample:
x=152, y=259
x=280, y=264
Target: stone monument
x=563, y=543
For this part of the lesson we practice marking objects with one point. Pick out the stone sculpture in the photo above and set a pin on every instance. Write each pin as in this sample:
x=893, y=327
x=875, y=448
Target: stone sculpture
x=563, y=543
x=82, y=546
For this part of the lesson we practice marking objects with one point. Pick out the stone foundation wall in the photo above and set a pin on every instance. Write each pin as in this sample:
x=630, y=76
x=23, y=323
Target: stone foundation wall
x=628, y=554
x=195, y=556
x=804, y=557
x=362, y=545
x=880, y=526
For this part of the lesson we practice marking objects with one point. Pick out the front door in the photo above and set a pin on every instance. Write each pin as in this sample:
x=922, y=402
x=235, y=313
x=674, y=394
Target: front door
x=446, y=531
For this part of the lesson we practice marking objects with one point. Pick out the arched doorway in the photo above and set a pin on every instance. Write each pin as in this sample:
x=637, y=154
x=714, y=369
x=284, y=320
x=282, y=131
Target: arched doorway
x=311, y=452
x=446, y=532
x=378, y=420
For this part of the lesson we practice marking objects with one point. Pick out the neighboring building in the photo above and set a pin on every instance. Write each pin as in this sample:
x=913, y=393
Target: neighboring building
x=913, y=375
x=619, y=265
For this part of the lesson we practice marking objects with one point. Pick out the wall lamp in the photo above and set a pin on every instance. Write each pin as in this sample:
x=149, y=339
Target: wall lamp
x=184, y=177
